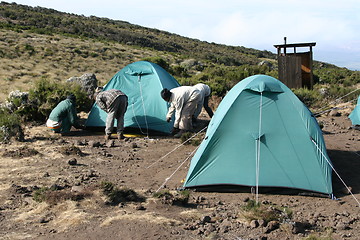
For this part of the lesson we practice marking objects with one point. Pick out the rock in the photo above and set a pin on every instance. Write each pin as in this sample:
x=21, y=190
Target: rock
x=110, y=143
x=134, y=145
x=334, y=113
x=266, y=63
x=72, y=161
x=298, y=227
x=87, y=81
x=342, y=226
x=140, y=208
x=23, y=96
x=206, y=219
x=225, y=226
x=254, y=224
x=271, y=226
x=262, y=223
x=77, y=189
x=94, y=144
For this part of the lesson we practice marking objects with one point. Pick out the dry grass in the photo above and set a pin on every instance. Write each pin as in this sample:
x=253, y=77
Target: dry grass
x=137, y=216
x=26, y=57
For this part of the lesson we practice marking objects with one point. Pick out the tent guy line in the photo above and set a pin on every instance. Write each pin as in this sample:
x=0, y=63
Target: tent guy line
x=337, y=174
x=176, y=147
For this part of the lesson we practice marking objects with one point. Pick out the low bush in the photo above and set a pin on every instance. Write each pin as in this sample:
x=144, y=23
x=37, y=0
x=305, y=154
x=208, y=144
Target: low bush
x=117, y=195
x=45, y=96
x=54, y=196
x=10, y=126
x=257, y=211
x=173, y=198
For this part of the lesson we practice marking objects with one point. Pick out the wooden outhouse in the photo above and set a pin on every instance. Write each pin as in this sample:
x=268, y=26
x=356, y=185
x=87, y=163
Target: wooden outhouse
x=295, y=67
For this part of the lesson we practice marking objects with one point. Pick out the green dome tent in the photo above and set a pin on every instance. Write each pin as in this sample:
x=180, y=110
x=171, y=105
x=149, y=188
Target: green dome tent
x=142, y=82
x=355, y=114
x=262, y=135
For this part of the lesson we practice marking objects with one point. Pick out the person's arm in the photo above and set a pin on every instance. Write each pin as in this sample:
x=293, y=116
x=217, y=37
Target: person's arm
x=207, y=108
x=100, y=101
x=178, y=109
x=73, y=118
x=170, y=111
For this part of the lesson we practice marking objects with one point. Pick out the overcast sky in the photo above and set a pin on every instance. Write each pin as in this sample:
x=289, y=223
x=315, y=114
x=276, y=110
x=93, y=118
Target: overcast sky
x=334, y=25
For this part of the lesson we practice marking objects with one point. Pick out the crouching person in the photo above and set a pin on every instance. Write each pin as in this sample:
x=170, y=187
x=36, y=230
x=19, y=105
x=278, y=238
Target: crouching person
x=114, y=103
x=183, y=101
x=64, y=116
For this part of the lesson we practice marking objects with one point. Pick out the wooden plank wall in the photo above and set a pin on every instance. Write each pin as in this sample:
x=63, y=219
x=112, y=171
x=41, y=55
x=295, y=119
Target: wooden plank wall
x=290, y=71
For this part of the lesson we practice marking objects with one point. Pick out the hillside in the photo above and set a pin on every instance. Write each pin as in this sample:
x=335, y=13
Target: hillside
x=83, y=187
x=39, y=43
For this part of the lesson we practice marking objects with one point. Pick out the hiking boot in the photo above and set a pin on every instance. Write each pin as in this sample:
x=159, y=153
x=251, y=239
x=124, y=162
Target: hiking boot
x=107, y=137
x=120, y=136
x=180, y=133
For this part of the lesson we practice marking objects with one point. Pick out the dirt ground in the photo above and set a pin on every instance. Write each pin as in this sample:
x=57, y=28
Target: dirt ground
x=78, y=165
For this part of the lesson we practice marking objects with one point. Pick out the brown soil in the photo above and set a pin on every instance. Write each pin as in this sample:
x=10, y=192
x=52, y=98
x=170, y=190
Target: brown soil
x=74, y=167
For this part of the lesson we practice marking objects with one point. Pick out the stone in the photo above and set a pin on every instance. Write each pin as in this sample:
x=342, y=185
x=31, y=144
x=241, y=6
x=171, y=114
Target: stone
x=94, y=144
x=271, y=226
x=87, y=81
x=254, y=224
x=72, y=161
x=206, y=219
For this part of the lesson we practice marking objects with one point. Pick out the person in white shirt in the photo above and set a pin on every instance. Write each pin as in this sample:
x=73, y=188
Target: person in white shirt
x=183, y=101
x=203, y=101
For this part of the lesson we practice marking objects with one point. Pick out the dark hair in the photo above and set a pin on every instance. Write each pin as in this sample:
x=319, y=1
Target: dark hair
x=71, y=97
x=165, y=94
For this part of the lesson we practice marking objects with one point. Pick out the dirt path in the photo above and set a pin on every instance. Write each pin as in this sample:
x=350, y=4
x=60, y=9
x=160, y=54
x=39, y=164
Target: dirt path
x=76, y=166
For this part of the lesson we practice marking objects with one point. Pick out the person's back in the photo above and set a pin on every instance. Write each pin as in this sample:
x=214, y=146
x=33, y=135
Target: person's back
x=181, y=94
x=64, y=116
x=203, y=88
x=105, y=99
x=62, y=110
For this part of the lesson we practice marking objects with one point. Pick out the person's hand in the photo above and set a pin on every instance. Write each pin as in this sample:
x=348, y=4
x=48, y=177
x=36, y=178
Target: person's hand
x=168, y=119
x=175, y=131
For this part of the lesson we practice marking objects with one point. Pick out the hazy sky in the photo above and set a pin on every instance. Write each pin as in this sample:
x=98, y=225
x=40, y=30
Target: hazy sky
x=333, y=25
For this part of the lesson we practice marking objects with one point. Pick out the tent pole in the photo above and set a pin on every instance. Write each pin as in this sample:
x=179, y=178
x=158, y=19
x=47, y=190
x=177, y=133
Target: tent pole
x=258, y=151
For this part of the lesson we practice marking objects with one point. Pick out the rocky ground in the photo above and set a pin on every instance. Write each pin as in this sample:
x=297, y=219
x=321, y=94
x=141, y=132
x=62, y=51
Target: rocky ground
x=76, y=169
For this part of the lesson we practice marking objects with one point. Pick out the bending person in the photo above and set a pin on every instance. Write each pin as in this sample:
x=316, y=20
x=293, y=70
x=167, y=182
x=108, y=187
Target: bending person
x=204, y=101
x=183, y=101
x=64, y=116
x=114, y=103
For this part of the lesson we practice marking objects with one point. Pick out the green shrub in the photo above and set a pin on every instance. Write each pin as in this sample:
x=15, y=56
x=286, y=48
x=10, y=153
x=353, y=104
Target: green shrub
x=46, y=95
x=10, y=126
x=116, y=195
x=311, y=98
x=194, y=141
x=159, y=61
x=54, y=196
x=173, y=198
x=256, y=211
x=40, y=194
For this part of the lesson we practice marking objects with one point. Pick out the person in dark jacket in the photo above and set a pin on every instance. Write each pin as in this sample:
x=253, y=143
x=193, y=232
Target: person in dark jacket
x=115, y=103
x=64, y=116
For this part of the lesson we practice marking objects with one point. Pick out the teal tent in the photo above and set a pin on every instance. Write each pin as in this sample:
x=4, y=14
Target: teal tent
x=355, y=114
x=142, y=82
x=262, y=135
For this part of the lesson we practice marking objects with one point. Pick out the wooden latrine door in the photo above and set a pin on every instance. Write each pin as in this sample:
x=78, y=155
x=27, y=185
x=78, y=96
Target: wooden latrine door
x=295, y=70
x=290, y=70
